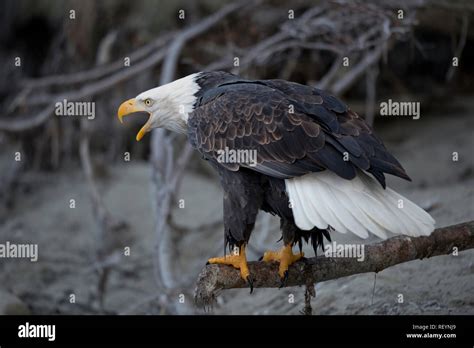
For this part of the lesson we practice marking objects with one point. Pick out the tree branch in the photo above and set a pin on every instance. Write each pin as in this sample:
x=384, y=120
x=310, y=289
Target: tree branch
x=100, y=71
x=171, y=61
x=215, y=278
x=166, y=174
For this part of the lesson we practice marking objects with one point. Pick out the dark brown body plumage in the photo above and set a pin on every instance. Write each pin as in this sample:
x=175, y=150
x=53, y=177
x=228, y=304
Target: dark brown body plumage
x=295, y=130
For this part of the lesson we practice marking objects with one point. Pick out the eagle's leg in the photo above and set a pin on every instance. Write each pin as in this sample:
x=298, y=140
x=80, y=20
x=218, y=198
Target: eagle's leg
x=243, y=197
x=285, y=257
x=236, y=259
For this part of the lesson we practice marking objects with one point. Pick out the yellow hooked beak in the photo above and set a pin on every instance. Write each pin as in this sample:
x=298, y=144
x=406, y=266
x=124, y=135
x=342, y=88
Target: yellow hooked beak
x=129, y=107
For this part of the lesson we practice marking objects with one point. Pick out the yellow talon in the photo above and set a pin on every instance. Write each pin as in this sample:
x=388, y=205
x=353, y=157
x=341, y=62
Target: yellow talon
x=285, y=256
x=236, y=260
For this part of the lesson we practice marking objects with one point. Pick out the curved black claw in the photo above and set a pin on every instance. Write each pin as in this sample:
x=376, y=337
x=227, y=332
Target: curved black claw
x=260, y=258
x=207, y=263
x=250, y=281
x=284, y=279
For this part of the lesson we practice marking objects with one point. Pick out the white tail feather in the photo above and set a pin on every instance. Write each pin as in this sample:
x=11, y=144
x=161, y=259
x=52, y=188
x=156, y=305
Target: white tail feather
x=358, y=206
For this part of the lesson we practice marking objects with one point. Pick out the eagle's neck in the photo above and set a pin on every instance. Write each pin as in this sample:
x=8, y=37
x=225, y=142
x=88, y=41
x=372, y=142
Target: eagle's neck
x=177, y=101
x=178, y=98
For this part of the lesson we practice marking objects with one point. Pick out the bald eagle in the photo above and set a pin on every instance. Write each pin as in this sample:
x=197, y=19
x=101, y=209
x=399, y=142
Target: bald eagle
x=306, y=157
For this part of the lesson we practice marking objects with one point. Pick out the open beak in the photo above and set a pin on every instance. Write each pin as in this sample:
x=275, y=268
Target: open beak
x=129, y=107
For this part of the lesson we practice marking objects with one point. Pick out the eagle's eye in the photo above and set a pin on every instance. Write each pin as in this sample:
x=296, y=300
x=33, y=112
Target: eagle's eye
x=148, y=102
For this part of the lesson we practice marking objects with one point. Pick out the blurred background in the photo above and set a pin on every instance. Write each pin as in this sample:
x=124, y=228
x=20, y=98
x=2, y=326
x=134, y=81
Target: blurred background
x=125, y=227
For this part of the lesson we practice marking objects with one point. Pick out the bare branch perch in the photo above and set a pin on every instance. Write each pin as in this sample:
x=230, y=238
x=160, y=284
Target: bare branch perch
x=214, y=278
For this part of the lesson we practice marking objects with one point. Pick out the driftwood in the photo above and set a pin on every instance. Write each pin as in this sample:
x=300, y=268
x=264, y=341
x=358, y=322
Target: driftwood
x=166, y=172
x=446, y=240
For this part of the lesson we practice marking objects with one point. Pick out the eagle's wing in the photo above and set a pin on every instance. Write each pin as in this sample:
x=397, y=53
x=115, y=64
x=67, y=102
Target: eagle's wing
x=294, y=130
